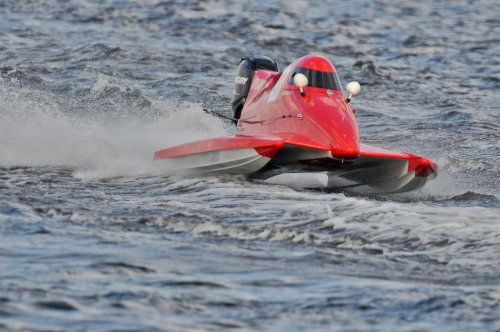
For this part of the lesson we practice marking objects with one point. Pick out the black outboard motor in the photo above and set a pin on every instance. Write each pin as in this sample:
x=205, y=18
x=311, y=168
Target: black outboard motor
x=244, y=75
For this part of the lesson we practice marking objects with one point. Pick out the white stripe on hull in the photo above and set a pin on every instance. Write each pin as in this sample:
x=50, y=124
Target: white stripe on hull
x=232, y=161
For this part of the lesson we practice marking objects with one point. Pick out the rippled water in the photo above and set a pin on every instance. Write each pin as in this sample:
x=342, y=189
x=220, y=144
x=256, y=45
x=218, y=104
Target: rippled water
x=95, y=237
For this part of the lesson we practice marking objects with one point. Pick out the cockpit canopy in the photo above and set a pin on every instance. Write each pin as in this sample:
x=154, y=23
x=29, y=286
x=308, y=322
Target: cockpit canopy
x=319, y=71
x=319, y=79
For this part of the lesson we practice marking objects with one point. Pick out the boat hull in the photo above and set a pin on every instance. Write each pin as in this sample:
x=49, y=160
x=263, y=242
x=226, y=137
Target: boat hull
x=225, y=155
x=374, y=171
x=366, y=175
x=277, y=161
x=234, y=161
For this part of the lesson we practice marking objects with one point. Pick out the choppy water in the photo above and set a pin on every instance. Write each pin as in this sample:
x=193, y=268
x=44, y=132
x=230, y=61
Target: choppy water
x=93, y=236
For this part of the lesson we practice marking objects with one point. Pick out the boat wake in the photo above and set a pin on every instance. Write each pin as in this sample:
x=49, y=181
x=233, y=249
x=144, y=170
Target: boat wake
x=36, y=129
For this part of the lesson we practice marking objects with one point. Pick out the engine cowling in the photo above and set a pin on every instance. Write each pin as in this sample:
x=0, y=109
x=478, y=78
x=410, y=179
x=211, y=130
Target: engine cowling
x=244, y=75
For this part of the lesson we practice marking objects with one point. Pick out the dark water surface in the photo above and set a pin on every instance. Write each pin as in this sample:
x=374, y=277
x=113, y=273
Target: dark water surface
x=94, y=236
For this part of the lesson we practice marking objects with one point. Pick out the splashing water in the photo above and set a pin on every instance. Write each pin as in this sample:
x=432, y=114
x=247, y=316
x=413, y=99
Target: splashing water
x=35, y=130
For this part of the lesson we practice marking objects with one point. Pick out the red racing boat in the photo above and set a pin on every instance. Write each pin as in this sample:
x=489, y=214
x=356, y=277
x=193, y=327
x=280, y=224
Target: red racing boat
x=297, y=125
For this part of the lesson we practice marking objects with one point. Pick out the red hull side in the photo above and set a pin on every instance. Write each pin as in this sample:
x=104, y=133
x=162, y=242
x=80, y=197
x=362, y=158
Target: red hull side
x=264, y=145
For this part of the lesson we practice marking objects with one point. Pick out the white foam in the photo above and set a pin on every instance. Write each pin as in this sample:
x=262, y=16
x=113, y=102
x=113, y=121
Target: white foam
x=35, y=130
x=101, y=84
x=300, y=180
